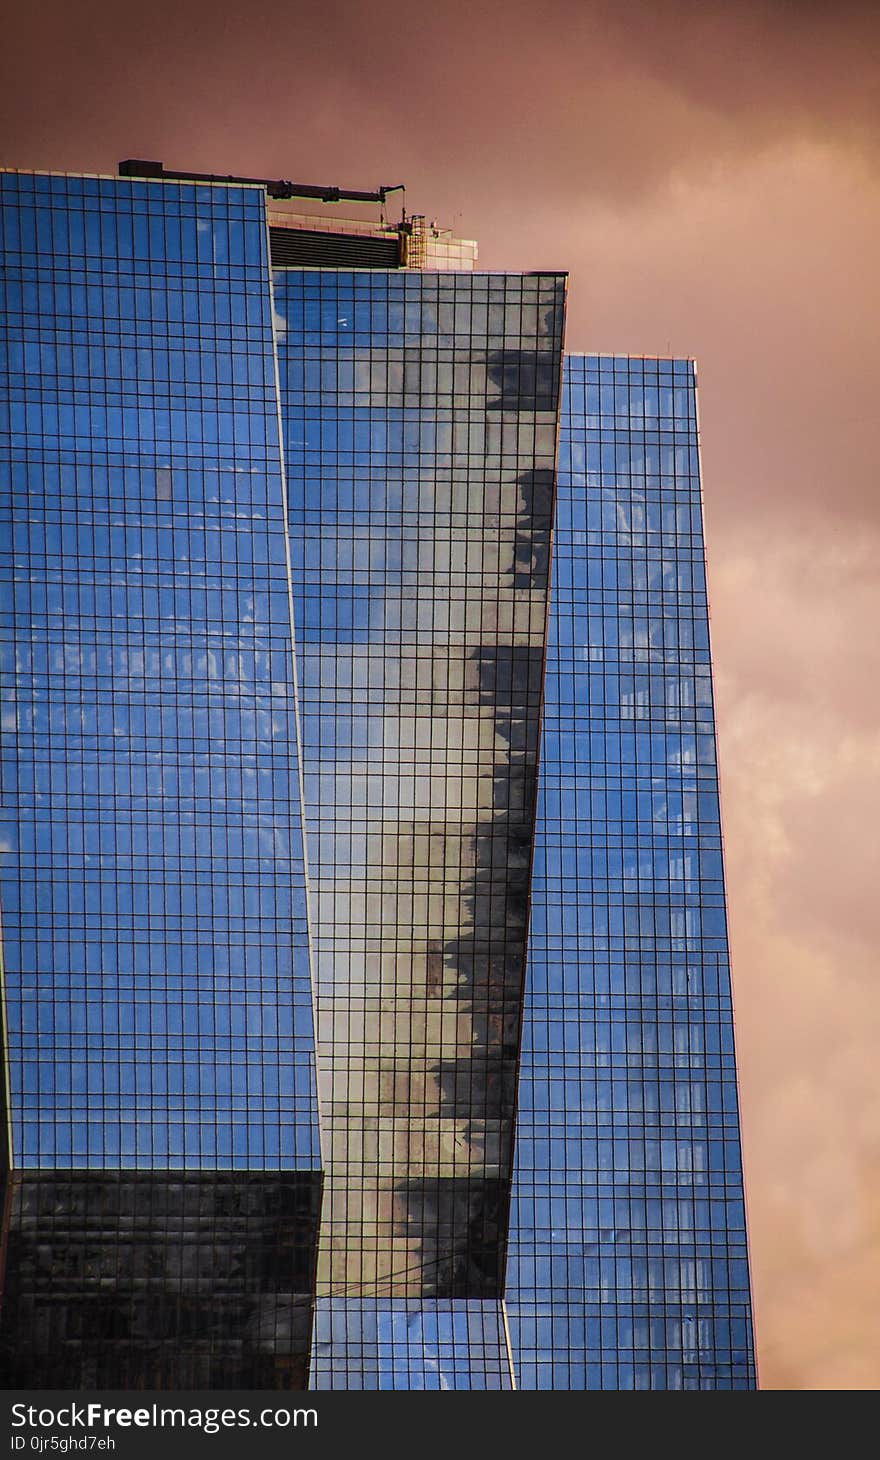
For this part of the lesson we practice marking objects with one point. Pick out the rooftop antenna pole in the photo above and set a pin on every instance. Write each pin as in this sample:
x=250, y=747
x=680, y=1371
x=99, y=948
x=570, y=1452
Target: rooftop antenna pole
x=276, y=188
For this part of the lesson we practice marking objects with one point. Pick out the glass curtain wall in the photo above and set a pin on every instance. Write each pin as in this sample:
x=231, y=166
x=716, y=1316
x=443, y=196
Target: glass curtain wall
x=158, y=994
x=627, y=1264
x=420, y=417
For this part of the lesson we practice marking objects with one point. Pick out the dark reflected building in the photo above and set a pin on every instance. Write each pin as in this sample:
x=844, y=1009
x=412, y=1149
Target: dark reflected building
x=361, y=1031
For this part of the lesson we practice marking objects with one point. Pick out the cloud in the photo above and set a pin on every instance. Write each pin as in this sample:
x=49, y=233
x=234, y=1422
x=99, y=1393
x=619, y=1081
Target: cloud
x=498, y=104
x=800, y=755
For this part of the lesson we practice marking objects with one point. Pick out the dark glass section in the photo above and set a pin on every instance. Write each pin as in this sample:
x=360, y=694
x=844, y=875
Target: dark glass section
x=303, y=248
x=525, y=379
x=459, y=1224
x=159, y=1280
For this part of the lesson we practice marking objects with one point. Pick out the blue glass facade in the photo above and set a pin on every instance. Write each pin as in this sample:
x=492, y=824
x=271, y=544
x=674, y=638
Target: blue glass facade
x=156, y=955
x=289, y=1102
x=157, y=984
x=410, y=1343
x=627, y=1264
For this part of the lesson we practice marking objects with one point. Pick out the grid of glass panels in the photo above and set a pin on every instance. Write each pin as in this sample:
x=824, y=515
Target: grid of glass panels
x=152, y=880
x=420, y=416
x=627, y=1264
x=157, y=973
x=409, y=1343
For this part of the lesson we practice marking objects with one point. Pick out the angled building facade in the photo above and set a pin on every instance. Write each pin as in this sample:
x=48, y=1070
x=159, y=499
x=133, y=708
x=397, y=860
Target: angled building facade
x=627, y=1262
x=360, y=1031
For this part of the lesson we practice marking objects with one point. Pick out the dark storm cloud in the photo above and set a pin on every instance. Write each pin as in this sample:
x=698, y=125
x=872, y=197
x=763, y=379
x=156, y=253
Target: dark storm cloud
x=474, y=99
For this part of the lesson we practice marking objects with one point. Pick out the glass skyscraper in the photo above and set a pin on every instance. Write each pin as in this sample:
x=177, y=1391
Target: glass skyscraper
x=627, y=1264
x=363, y=1028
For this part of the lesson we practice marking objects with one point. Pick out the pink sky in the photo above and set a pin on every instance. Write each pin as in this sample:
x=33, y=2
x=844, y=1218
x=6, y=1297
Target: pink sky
x=708, y=172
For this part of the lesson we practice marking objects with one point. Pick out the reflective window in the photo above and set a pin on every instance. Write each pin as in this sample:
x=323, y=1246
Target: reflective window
x=627, y=1264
